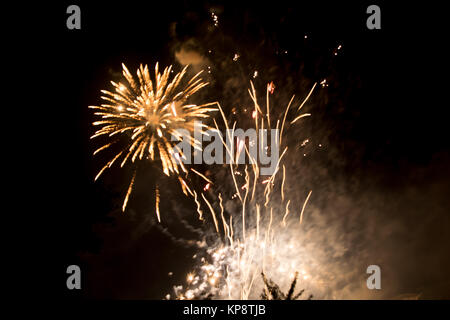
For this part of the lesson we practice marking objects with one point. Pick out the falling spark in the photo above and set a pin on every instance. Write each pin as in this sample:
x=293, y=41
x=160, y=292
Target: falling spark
x=130, y=187
x=307, y=97
x=287, y=212
x=337, y=50
x=212, y=213
x=215, y=19
x=157, y=204
x=202, y=175
x=304, y=206
x=300, y=116
x=199, y=210
x=304, y=142
x=271, y=87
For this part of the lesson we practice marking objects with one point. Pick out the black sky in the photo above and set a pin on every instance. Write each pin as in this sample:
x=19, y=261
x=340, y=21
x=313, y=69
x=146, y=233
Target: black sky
x=382, y=114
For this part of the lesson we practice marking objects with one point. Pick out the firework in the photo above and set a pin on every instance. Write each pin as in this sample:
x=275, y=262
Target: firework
x=146, y=113
x=256, y=239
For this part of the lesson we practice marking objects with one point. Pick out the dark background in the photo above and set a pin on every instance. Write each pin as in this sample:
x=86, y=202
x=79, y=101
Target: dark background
x=385, y=112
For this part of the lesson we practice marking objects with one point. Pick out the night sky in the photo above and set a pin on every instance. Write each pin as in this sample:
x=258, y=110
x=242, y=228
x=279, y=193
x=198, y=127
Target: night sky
x=381, y=120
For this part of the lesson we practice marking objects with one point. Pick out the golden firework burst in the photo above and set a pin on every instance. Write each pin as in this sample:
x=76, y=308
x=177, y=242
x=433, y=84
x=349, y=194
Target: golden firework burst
x=147, y=113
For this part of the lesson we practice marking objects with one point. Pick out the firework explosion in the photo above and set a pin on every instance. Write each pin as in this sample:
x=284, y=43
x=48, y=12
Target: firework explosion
x=259, y=234
x=253, y=237
x=147, y=113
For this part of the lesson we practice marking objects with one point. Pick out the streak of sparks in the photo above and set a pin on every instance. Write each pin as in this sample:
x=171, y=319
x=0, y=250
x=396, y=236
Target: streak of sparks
x=237, y=261
x=130, y=187
x=211, y=209
x=157, y=204
x=304, y=206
